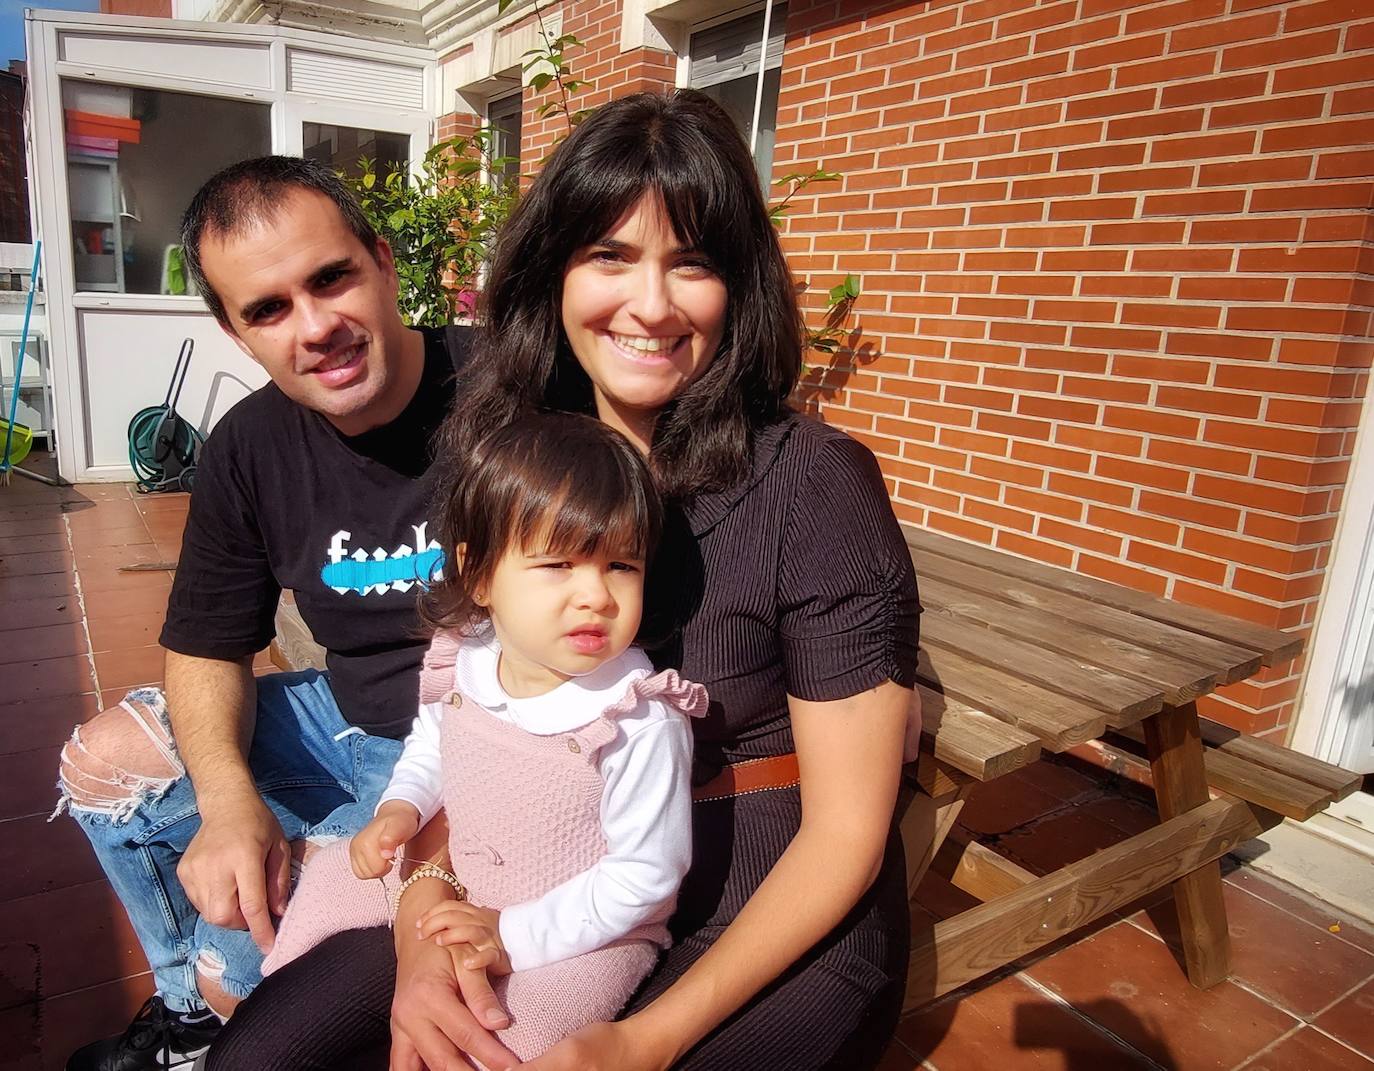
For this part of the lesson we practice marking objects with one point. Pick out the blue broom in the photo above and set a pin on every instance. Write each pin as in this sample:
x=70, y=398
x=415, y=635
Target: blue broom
x=19, y=437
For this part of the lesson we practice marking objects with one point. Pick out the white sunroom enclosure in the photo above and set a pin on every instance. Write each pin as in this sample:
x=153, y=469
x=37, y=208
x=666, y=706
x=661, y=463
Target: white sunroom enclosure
x=127, y=117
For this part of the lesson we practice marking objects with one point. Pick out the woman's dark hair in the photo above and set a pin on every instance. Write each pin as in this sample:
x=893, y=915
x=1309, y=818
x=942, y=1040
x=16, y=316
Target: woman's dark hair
x=547, y=483
x=684, y=150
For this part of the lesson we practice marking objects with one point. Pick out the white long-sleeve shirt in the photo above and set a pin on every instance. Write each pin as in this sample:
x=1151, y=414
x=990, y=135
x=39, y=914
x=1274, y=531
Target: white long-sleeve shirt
x=645, y=806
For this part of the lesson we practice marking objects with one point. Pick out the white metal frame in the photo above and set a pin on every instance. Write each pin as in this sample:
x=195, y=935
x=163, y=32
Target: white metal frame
x=48, y=183
x=1329, y=725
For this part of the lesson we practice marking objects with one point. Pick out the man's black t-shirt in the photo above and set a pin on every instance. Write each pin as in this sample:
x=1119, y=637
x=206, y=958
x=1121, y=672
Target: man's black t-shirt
x=283, y=500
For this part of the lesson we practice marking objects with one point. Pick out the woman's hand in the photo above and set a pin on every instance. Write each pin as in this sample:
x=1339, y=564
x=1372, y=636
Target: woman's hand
x=604, y=1047
x=441, y=1012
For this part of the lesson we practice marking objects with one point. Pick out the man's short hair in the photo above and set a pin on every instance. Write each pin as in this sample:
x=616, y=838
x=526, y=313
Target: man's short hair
x=251, y=192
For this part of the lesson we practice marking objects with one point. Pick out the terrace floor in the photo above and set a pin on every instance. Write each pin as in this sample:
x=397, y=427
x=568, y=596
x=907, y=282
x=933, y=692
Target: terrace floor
x=78, y=629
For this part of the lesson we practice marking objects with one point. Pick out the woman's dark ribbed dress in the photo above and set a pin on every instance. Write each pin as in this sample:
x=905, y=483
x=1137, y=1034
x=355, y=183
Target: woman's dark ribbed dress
x=797, y=581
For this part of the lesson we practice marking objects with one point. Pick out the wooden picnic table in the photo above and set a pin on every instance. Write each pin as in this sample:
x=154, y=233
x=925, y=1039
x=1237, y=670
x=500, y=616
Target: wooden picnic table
x=1020, y=658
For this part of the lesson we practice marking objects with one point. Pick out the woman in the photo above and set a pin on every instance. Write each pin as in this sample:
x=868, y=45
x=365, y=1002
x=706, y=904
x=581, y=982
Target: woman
x=641, y=280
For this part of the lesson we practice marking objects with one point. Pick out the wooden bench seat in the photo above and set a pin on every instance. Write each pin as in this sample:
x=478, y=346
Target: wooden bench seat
x=1296, y=786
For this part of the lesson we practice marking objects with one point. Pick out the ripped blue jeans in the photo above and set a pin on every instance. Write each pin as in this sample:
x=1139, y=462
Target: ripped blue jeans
x=320, y=777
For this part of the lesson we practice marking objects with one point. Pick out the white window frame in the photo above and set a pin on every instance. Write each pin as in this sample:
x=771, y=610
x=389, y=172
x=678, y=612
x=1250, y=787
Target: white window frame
x=45, y=32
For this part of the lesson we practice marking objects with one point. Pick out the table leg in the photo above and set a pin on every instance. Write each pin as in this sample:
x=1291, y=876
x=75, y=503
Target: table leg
x=1173, y=743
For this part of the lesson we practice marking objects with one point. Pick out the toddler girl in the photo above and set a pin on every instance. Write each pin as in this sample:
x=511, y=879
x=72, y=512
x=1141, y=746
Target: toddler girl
x=562, y=760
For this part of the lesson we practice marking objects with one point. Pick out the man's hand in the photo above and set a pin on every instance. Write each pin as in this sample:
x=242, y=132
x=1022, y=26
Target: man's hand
x=373, y=851
x=455, y=922
x=442, y=1011
x=237, y=868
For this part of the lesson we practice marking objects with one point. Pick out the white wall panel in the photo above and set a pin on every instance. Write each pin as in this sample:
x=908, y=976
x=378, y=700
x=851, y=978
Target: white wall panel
x=224, y=62
x=127, y=362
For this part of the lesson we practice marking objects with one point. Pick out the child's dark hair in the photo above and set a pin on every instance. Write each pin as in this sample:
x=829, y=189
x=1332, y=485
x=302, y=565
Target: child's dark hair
x=555, y=483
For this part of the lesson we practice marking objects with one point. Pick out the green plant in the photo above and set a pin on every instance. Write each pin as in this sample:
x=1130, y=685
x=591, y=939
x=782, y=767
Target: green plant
x=840, y=298
x=439, y=221
x=550, y=65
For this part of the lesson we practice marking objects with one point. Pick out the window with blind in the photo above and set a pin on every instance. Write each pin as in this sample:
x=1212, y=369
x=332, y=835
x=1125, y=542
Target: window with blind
x=503, y=117
x=728, y=61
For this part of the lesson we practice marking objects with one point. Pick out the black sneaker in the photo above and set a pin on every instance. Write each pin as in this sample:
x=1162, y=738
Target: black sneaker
x=158, y=1039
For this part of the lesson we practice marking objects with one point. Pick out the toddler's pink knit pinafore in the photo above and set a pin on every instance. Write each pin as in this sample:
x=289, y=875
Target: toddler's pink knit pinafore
x=524, y=816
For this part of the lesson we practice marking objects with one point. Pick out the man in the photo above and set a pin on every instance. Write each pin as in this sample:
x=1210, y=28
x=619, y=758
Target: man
x=196, y=801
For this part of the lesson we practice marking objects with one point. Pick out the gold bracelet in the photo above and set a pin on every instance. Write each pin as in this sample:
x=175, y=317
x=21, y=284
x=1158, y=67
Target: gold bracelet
x=428, y=870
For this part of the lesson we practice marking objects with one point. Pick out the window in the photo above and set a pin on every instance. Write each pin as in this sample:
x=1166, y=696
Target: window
x=503, y=116
x=134, y=159
x=726, y=64
x=342, y=147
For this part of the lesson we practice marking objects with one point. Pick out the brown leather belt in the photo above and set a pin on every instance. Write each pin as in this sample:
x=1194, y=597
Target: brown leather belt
x=752, y=775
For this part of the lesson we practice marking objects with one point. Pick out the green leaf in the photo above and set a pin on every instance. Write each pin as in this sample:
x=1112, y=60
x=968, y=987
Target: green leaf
x=540, y=81
x=369, y=180
x=501, y=6
x=851, y=287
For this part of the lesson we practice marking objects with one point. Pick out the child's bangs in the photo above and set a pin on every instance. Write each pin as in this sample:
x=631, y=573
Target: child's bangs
x=584, y=518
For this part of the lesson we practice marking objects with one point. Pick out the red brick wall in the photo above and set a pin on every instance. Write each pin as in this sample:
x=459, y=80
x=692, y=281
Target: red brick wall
x=161, y=9
x=596, y=23
x=1116, y=264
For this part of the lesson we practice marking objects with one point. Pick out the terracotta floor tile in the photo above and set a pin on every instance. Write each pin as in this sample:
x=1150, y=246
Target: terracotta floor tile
x=168, y=549
x=152, y=599
x=41, y=723
x=1300, y=967
x=129, y=669
x=44, y=641
x=111, y=558
x=110, y=697
x=1309, y=1050
x=29, y=511
x=1297, y=902
x=897, y=1058
x=940, y=898
x=125, y=535
x=126, y=632
x=11, y=525
x=19, y=614
x=94, y=515
x=177, y=502
x=26, y=783
x=21, y=972
x=1061, y=839
x=33, y=544
x=81, y=934
x=46, y=677
x=100, y=492
x=22, y=1030
x=1011, y=1024
x=37, y=856
x=1057, y=778
x=71, y=1020
x=1130, y=983
x=1128, y=815
x=1352, y=1019
x=42, y=586
x=111, y=579
x=47, y=561
x=1002, y=805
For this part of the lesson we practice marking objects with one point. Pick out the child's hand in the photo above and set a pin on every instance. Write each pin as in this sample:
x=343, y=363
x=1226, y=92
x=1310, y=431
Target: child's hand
x=374, y=848
x=458, y=922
